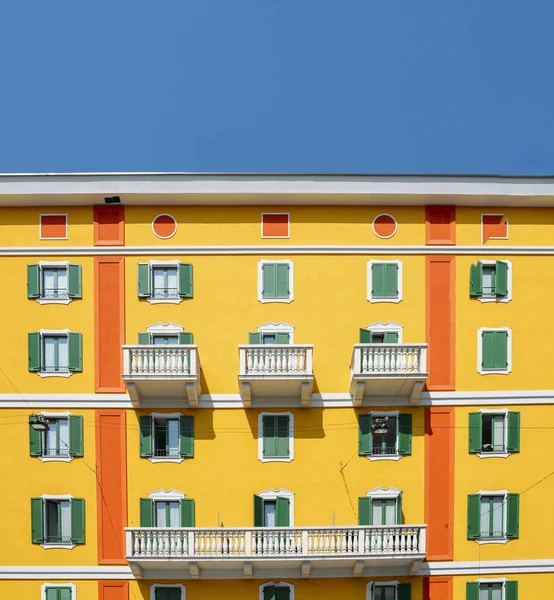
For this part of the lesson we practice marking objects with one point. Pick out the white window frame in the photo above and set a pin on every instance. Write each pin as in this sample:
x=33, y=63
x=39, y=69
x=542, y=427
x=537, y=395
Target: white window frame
x=493, y=237
x=504, y=412
x=167, y=585
x=54, y=333
x=390, y=413
x=290, y=297
x=389, y=493
x=480, y=369
x=61, y=264
x=369, y=587
x=272, y=494
x=45, y=586
x=261, y=456
x=280, y=327
x=370, y=281
x=276, y=584
x=492, y=263
x=54, y=215
x=501, y=580
x=57, y=497
x=52, y=415
x=157, y=264
x=164, y=459
x=504, y=494
x=275, y=236
x=164, y=237
x=388, y=327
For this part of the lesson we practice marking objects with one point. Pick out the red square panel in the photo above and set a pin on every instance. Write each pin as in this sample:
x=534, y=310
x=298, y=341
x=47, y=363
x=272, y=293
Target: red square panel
x=53, y=227
x=275, y=225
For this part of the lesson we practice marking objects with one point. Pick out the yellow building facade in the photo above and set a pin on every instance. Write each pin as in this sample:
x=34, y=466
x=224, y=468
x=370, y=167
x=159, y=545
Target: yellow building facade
x=276, y=387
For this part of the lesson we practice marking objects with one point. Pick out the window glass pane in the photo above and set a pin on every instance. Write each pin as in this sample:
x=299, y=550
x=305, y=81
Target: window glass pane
x=160, y=514
x=269, y=514
x=498, y=433
x=165, y=339
x=62, y=283
x=484, y=591
x=65, y=509
x=174, y=520
x=390, y=512
x=487, y=433
x=173, y=437
x=488, y=281
x=49, y=353
x=63, y=432
x=496, y=591
x=497, y=513
x=160, y=437
x=268, y=338
x=159, y=282
x=377, y=338
x=172, y=282
x=385, y=592
x=48, y=284
x=385, y=443
x=63, y=360
x=51, y=438
x=485, y=516
x=377, y=512
x=51, y=522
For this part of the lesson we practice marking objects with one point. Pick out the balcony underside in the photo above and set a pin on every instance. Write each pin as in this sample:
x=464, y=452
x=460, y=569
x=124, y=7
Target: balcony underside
x=404, y=386
x=176, y=389
x=261, y=388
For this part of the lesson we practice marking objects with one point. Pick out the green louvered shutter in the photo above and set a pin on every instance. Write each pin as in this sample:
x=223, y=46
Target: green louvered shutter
x=258, y=511
x=282, y=512
x=390, y=337
x=364, y=511
x=269, y=592
x=510, y=590
x=500, y=349
x=75, y=344
x=282, y=446
x=78, y=520
x=269, y=434
x=365, y=336
x=37, y=529
x=186, y=437
x=282, y=338
x=146, y=512
x=512, y=516
x=473, y=516
x=185, y=280
x=75, y=435
x=35, y=440
x=74, y=281
x=269, y=280
x=391, y=280
x=282, y=280
x=399, y=509
x=65, y=593
x=145, y=435
x=501, y=278
x=472, y=591
x=487, y=349
x=282, y=592
x=254, y=337
x=378, y=280
x=476, y=279
x=33, y=281
x=52, y=593
x=404, y=433
x=364, y=435
x=186, y=337
x=34, y=351
x=145, y=337
x=187, y=512
x=143, y=273
x=513, y=431
x=475, y=432
x=404, y=591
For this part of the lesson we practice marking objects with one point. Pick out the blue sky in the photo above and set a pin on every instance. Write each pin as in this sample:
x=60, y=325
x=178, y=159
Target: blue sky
x=395, y=86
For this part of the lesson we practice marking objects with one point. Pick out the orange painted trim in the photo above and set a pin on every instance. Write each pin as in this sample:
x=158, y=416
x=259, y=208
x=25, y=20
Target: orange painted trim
x=103, y=586
x=105, y=469
x=117, y=240
x=431, y=291
x=440, y=591
x=434, y=232
x=119, y=292
x=441, y=484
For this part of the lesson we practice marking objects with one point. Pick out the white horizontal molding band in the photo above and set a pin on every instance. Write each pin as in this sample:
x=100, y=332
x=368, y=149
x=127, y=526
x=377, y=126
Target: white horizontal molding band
x=490, y=567
x=65, y=573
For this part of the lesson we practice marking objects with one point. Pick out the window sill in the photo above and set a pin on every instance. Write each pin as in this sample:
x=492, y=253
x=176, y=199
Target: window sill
x=493, y=454
x=493, y=541
x=61, y=374
x=287, y=300
x=54, y=300
x=503, y=299
x=384, y=457
x=266, y=459
x=395, y=300
x=56, y=458
x=164, y=459
x=495, y=371
x=58, y=546
x=164, y=300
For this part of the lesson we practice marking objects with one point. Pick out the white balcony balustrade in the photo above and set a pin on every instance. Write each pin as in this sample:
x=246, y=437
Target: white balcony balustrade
x=275, y=370
x=169, y=371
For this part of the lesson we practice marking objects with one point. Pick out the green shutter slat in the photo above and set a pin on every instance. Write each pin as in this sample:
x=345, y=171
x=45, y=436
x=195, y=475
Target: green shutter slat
x=75, y=343
x=513, y=431
x=473, y=516
x=37, y=529
x=145, y=337
x=143, y=275
x=391, y=280
x=74, y=281
x=475, y=434
x=254, y=337
x=269, y=592
x=390, y=337
x=52, y=593
x=65, y=593
x=146, y=512
x=186, y=337
x=282, y=447
x=186, y=438
x=501, y=278
x=487, y=349
x=282, y=592
x=378, y=280
x=33, y=281
x=404, y=433
x=78, y=520
x=282, y=281
x=472, y=591
x=500, y=349
x=35, y=440
x=185, y=281
x=269, y=434
x=282, y=512
x=34, y=351
x=476, y=279
x=269, y=280
x=510, y=588
x=512, y=516
x=75, y=435
x=145, y=435
x=404, y=591
x=188, y=517
x=364, y=511
x=258, y=511
x=364, y=435
x=399, y=509
x=282, y=338
x=365, y=336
